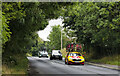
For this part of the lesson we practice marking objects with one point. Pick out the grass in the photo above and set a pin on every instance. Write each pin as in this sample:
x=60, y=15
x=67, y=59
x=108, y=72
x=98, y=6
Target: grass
x=29, y=54
x=112, y=60
x=20, y=68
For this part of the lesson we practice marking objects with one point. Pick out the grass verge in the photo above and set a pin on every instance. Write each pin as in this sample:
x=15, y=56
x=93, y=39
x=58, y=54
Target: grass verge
x=112, y=60
x=19, y=68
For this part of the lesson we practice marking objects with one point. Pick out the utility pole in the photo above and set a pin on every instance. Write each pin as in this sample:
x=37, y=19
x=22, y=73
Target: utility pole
x=61, y=37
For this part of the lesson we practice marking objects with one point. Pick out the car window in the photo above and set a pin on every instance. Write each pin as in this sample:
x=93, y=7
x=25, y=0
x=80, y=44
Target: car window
x=71, y=54
x=55, y=52
x=74, y=54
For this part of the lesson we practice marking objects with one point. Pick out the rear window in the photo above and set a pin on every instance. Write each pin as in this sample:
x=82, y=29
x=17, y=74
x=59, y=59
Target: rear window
x=74, y=54
x=55, y=51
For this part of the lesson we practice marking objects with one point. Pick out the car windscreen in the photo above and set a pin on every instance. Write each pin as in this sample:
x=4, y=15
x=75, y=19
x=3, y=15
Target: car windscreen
x=44, y=52
x=74, y=54
x=55, y=52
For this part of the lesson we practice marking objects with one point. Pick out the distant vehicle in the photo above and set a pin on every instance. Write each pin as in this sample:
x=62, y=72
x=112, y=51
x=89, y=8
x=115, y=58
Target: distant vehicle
x=43, y=54
x=56, y=54
x=74, y=58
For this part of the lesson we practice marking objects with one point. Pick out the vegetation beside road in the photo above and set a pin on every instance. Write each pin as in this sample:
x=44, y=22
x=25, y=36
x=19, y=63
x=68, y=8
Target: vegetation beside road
x=112, y=60
x=20, y=23
x=55, y=38
x=20, y=65
x=96, y=25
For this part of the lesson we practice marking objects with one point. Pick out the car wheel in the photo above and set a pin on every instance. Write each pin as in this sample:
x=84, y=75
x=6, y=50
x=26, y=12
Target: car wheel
x=67, y=62
x=82, y=63
x=51, y=58
x=39, y=56
x=60, y=58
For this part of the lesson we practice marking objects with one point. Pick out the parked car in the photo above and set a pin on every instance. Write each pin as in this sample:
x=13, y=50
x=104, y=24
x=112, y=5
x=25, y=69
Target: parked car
x=43, y=54
x=56, y=54
x=74, y=58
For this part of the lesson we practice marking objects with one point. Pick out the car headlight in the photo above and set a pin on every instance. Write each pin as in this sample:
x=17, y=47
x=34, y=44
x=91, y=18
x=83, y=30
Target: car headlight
x=82, y=59
x=70, y=58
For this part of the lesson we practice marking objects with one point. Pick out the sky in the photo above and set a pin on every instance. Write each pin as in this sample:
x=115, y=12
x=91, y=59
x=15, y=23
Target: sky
x=45, y=33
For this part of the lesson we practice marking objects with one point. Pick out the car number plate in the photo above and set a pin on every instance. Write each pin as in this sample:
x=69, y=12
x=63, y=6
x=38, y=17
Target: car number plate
x=57, y=56
x=76, y=61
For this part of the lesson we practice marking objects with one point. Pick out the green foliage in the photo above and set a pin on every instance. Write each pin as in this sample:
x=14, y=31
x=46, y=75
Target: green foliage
x=96, y=25
x=18, y=67
x=22, y=20
x=20, y=23
x=71, y=35
x=5, y=30
x=55, y=38
x=0, y=28
x=112, y=59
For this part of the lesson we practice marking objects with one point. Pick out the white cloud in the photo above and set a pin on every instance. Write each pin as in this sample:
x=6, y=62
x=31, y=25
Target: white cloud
x=45, y=33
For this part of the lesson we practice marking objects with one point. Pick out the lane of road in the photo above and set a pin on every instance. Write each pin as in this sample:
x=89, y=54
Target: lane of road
x=47, y=66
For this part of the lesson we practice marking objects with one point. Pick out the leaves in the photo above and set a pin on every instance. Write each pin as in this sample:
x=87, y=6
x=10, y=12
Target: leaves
x=96, y=24
x=21, y=20
x=55, y=38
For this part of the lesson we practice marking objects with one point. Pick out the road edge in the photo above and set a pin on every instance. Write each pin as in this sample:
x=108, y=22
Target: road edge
x=104, y=66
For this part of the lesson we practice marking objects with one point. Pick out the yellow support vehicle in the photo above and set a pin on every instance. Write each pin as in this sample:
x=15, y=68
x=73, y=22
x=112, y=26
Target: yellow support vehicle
x=74, y=58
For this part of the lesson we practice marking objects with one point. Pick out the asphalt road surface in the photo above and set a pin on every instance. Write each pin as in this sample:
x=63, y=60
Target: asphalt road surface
x=45, y=66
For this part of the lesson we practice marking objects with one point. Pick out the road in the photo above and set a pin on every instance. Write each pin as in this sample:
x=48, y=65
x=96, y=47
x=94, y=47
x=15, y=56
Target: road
x=45, y=66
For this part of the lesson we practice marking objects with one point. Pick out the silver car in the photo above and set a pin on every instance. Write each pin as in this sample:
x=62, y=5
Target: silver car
x=56, y=54
x=43, y=54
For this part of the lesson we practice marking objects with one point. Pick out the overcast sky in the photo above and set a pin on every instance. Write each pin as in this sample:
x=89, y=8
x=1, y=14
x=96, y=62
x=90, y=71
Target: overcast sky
x=45, y=33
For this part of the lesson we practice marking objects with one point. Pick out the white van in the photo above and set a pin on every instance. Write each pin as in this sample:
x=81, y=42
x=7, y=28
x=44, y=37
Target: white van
x=56, y=54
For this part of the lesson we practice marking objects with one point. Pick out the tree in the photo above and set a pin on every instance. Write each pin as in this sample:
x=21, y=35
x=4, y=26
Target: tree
x=55, y=38
x=21, y=20
x=96, y=25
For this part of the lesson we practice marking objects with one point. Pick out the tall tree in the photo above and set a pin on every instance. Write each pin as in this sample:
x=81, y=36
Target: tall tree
x=21, y=20
x=55, y=38
x=96, y=25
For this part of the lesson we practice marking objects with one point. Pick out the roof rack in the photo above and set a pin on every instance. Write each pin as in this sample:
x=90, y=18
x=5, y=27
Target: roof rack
x=73, y=47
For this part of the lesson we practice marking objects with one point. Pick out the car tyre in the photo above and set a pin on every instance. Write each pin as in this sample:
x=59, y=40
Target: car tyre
x=68, y=62
x=51, y=58
x=82, y=64
x=60, y=58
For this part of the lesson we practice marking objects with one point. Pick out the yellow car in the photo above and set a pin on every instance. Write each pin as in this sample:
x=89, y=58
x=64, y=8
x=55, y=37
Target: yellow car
x=74, y=58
